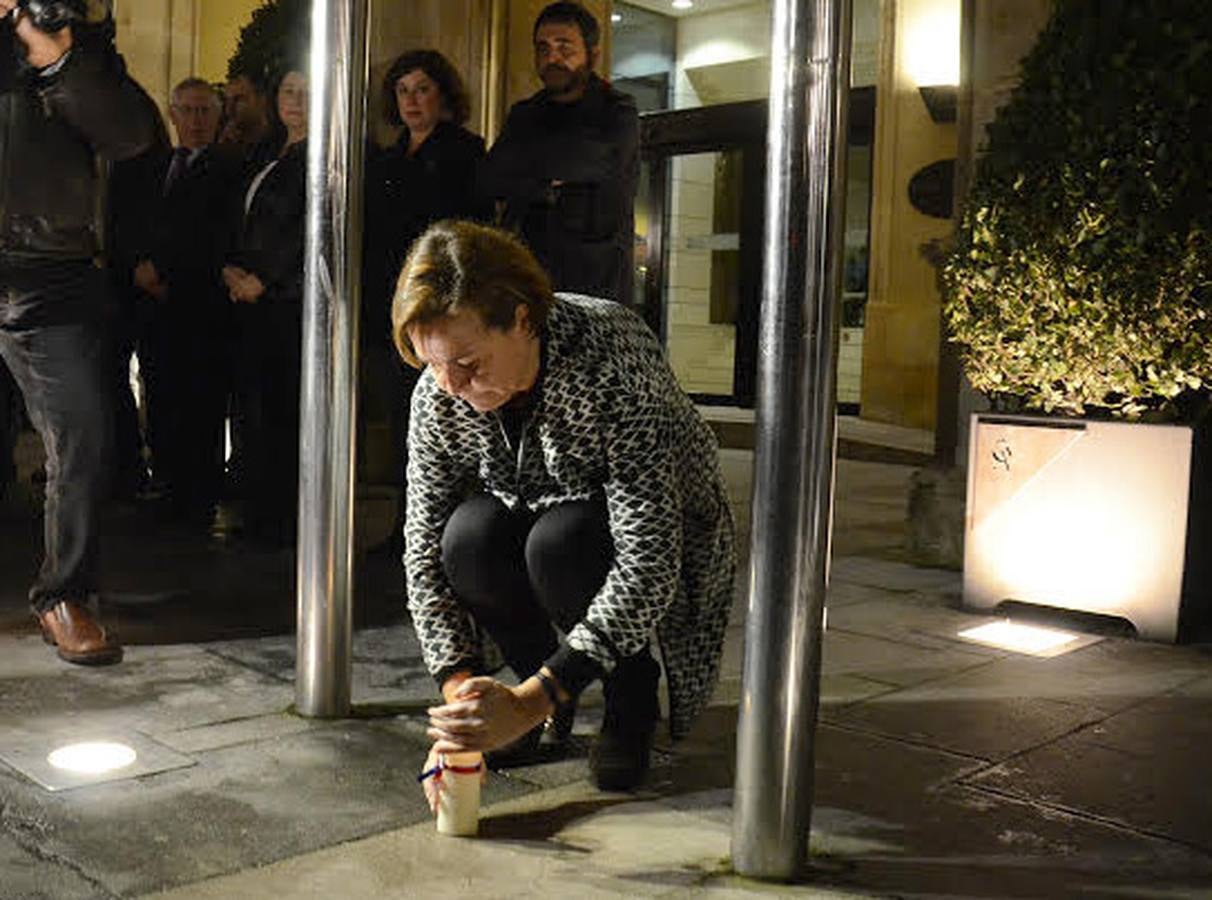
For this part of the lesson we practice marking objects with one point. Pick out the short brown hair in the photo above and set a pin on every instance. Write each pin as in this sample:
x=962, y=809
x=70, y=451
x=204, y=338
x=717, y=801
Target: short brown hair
x=456, y=102
x=456, y=266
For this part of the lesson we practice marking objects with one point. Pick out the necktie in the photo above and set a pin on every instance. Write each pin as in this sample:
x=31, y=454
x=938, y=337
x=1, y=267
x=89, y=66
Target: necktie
x=176, y=168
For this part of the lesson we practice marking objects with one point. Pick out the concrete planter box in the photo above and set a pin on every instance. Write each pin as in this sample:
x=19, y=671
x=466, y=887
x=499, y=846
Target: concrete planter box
x=1101, y=517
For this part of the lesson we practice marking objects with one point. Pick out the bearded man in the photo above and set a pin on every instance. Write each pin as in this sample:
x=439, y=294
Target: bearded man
x=565, y=165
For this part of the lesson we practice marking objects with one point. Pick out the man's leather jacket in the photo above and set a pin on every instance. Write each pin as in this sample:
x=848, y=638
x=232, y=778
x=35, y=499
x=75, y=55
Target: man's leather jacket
x=53, y=128
x=567, y=173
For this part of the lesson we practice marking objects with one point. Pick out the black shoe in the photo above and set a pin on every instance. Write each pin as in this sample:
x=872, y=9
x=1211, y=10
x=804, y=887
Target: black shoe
x=620, y=758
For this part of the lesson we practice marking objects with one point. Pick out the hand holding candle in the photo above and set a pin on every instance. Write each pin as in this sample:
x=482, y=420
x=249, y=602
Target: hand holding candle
x=485, y=714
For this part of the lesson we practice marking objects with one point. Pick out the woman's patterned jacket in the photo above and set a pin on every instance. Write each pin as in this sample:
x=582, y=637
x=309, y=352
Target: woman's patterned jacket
x=609, y=418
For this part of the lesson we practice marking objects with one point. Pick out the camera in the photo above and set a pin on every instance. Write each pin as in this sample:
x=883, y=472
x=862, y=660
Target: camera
x=54, y=15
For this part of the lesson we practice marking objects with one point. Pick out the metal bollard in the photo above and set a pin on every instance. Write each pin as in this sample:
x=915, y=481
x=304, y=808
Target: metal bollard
x=796, y=437
x=332, y=274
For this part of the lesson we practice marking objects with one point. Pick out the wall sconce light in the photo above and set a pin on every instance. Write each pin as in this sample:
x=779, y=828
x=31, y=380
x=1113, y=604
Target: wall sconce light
x=940, y=100
x=932, y=56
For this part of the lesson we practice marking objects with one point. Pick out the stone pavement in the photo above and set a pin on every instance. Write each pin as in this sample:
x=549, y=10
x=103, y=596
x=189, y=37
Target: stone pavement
x=944, y=769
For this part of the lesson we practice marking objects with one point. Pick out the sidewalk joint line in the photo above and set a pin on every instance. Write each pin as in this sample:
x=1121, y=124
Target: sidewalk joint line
x=899, y=739
x=21, y=831
x=1084, y=815
x=260, y=670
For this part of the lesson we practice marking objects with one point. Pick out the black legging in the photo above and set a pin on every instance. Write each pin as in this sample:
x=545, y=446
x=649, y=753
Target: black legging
x=518, y=572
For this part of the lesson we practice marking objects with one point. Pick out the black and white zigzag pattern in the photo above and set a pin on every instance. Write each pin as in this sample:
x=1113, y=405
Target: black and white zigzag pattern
x=611, y=417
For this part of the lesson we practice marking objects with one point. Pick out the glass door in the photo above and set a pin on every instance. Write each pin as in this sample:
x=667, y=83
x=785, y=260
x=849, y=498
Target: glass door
x=701, y=208
x=700, y=237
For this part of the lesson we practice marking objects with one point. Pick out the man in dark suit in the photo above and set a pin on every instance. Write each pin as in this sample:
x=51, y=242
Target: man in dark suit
x=184, y=356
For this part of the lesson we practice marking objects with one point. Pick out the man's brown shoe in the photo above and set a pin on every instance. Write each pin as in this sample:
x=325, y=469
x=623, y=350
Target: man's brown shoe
x=80, y=639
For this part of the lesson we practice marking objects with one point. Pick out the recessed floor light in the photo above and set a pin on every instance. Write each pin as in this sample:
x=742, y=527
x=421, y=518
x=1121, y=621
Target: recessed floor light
x=1034, y=640
x=58, y=760
x=92, y=757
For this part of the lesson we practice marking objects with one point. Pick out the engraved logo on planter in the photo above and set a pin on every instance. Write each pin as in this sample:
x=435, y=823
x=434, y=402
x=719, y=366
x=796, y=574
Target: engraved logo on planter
x=1002, y=454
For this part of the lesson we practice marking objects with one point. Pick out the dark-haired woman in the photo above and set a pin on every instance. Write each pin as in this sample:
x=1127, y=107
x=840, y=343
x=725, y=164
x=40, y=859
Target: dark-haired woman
x=428, y=175
x=265, y=282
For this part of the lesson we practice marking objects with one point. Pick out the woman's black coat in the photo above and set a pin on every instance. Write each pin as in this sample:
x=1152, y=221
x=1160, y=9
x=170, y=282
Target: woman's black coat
x=405, y=195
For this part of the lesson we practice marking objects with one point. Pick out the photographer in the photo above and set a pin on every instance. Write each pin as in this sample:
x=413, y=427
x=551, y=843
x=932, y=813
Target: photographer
x=66, y=99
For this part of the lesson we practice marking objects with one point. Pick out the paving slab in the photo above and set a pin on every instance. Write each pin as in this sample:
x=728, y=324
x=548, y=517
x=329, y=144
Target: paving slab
x=948, y=841
x=893, y=662
x=387, y=664
x=1145, y=768
x=890, y=575
x=239, y=807
x=844, y=593
x=235, y=732
x=576, y=843
x=835, y=689
x=151, y=693
x=1106, y=676
x=939, y=714
x=30, y=876
x=895, y=824
x=922, y=620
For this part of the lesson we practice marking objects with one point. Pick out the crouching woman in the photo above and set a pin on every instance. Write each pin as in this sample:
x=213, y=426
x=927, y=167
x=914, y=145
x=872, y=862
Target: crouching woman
x=564, y=500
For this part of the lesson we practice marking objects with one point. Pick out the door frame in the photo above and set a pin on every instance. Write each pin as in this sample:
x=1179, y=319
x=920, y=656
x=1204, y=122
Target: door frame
x=707, y=129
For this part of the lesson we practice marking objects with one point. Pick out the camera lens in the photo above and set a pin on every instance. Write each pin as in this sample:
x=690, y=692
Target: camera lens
x=53, y=15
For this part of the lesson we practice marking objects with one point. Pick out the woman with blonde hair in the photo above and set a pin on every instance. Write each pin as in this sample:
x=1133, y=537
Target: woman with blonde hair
x=559, y=478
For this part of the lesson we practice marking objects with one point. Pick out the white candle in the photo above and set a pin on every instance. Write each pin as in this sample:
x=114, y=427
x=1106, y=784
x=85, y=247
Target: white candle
x=459, y=795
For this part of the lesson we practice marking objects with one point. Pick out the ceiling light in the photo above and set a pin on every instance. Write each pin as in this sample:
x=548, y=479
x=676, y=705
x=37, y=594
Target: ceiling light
x=616, y=18
x=682, y=4
x=92, y=757
x=1020, y=638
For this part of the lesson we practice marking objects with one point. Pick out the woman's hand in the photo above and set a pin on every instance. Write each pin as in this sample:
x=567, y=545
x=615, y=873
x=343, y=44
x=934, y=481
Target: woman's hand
x=242, y=286
x=432, y=784
x=484, y=715
x=148, y=280
x=251, y=289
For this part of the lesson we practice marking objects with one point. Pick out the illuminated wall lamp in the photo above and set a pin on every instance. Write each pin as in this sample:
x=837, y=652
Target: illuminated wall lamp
x=931, y=48
x=941, y=101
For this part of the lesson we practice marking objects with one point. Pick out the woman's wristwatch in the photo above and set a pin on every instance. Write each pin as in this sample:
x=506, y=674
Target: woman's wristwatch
x=551, y=689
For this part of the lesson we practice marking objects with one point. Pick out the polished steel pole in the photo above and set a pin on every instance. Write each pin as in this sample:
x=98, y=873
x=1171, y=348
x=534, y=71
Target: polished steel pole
x=796, y=434
x=331, y=279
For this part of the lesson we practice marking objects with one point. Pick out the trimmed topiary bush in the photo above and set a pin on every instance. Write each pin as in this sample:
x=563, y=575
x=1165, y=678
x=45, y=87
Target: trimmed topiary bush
x=1080, y=280
x=275, y=38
